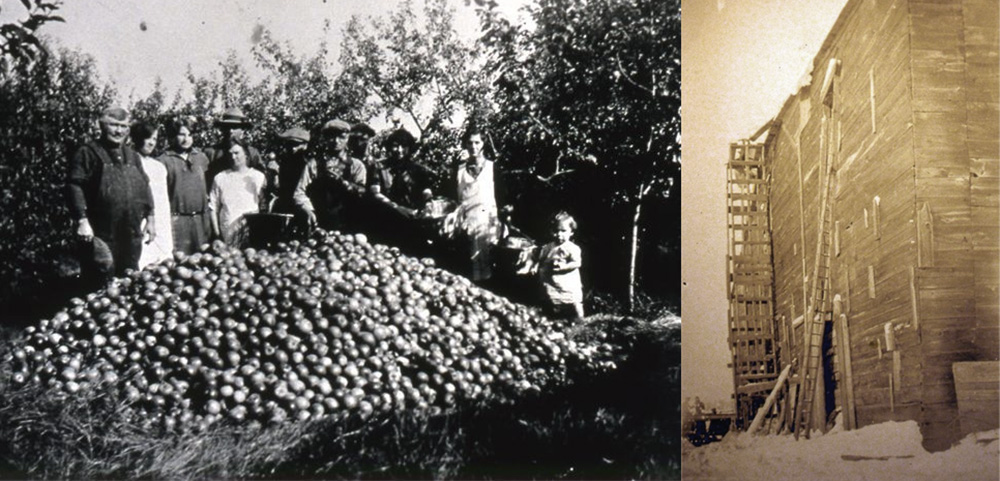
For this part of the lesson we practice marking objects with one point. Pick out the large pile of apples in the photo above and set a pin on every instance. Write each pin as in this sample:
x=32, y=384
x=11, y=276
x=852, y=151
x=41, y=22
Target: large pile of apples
x=329, y=326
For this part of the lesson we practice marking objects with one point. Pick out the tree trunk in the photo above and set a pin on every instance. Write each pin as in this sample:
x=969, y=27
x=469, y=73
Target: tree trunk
x=634, y=248
x=633, y=253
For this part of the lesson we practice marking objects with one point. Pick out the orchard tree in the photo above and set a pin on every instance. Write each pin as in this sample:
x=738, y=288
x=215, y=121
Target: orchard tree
x=415, y=63
x=297, y=90
x=591, y=85
x=20, y=46
x=48, y=112
x=281, y=91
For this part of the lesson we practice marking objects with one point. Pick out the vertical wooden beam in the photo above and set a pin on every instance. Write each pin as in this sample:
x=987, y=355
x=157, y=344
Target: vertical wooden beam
x=840, y=349
x=802, y=226
x=836, y=238
x=871, y=95
x=876, y=216
x=871, y=282
x=914, y=301
x=850, y=418
x=892, y=394
x=925, y=236
x=819, y=398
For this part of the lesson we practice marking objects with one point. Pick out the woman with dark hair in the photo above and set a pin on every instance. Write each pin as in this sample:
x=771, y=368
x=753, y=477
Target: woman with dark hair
x=144, y=136
x=235, y=192
x=476, y=217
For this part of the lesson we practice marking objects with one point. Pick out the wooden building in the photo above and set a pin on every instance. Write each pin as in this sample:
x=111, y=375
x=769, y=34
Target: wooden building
x=900, y=123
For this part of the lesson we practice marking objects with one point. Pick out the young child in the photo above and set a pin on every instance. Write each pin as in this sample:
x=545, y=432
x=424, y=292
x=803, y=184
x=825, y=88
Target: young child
x=559, y=270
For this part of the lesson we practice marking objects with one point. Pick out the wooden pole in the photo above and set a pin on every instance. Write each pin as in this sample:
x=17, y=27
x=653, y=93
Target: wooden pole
x=769, y=402
x=818, y=420
x=840, y=348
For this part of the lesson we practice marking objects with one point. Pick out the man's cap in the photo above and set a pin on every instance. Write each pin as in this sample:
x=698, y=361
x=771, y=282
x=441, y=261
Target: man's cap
x=115, y=115
x=401, y=137
x=363, y=129
x=336, y=125
x=295, y=134
x=234, y=118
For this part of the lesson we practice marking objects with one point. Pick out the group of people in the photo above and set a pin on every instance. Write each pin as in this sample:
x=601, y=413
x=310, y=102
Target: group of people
x=134, y=209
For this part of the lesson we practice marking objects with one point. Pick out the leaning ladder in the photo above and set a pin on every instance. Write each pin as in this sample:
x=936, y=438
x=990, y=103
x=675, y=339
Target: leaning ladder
x=817, y=312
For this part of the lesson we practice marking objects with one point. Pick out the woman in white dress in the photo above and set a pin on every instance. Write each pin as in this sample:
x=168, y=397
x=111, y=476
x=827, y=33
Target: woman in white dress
x=235, y=192
x=144, y=136
x=476, y=216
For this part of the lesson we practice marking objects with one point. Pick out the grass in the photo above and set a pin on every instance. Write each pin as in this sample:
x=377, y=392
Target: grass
x=621, y=424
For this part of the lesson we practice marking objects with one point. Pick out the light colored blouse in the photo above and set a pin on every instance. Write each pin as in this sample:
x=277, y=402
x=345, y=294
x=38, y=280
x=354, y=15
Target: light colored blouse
x=234, y=194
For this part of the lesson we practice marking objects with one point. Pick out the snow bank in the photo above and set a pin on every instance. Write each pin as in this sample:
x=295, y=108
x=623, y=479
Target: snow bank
x=886, y=451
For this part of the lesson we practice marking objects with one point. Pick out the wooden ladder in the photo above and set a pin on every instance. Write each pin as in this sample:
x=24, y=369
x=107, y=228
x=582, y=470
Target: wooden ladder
x=817, y=312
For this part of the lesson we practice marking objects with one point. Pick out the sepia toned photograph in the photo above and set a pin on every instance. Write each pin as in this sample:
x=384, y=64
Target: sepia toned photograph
x=840, y=235
x=335, y=239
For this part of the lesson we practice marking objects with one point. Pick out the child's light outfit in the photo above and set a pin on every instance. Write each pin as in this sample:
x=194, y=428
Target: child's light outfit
x=234, y=194
x=162, y=246
x=559, y=272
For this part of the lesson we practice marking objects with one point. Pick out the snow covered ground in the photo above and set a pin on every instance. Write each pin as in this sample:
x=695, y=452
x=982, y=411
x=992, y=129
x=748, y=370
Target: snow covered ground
x=886, y=451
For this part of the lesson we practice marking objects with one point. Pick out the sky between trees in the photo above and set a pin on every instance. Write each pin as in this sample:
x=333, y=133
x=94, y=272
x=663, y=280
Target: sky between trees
x=135, y=43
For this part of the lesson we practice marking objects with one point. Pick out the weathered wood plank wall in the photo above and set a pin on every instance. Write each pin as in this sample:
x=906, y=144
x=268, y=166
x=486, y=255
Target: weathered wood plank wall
x=955, y=63
x=872, y=160
x=911, y=129
x=982, y=77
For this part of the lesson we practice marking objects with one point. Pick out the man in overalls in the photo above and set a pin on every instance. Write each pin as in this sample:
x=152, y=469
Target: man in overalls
x=109, y=198
x=330, y=188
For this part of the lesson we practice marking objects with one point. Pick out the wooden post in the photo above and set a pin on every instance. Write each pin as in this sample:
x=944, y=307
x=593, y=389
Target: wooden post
x=769, y=402
x=892, y=395
x=871, y=95
x=839, y=336
x=871, y=282
x=925, y=236
x=793, y=399
x=914, y=300
x=819, y=398
x=850, y=420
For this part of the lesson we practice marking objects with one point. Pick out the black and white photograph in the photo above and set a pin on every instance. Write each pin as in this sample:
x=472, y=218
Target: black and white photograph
x=335, y=239
x=841, y=233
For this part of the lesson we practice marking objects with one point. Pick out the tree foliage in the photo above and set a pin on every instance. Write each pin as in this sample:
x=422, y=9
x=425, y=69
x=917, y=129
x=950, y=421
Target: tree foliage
x=591, y=82
x=20, y=47
x=279, y=90
x=415, y=63
x=581, y=106
x=44, y=116
x=587, y=100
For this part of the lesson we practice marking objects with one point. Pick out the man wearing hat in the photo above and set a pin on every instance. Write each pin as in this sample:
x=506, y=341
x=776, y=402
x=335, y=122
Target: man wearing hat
x=291, y=163
x=109, y=198
x=402, y=187
x=233, y=126
x=330, y=188
x=403, y=181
